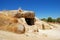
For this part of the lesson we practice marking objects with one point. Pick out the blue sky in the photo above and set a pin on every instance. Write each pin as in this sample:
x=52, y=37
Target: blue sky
x=42, y=8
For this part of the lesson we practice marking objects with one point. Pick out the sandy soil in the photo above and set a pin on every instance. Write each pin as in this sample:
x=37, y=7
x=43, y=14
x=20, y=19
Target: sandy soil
x=53, y=34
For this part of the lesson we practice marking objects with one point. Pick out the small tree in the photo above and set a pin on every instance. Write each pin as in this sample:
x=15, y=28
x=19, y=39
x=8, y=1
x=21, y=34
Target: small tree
x=44, y=19
x=58, y=20
x=49, y=19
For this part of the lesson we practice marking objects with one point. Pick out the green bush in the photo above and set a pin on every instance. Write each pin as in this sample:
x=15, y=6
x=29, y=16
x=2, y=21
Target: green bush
x=44, y=19
x=58, y=20
x=50, y=19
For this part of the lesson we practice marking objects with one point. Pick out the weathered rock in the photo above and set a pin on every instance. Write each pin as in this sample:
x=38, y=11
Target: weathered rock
x=22, y=22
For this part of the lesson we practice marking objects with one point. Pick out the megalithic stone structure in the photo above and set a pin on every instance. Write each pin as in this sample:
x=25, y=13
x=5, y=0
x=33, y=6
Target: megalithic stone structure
x=28, y=15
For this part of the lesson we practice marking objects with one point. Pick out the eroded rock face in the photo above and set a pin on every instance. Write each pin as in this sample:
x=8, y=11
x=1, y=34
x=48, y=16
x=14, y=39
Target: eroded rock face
x=20, y=28
x=10, y=24
x=29, y=16
x=21, y=23
x=25, y=14
x=42, y=25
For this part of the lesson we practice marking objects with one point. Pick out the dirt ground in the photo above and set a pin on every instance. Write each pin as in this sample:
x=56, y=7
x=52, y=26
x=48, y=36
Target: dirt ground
x=53, y=34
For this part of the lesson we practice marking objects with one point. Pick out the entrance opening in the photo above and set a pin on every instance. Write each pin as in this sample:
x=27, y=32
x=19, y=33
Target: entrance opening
x=29, y=21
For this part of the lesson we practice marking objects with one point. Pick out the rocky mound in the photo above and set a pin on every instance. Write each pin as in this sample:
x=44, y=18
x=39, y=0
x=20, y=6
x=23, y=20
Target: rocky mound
x=19, y=25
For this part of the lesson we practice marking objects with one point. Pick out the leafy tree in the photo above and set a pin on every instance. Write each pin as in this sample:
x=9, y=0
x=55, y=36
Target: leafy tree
x=53, y=20
x=44, y=19
x=58, y=20
x=49, y=19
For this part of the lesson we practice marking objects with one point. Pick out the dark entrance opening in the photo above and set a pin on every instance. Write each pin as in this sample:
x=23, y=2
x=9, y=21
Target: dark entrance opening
x=29, y=21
